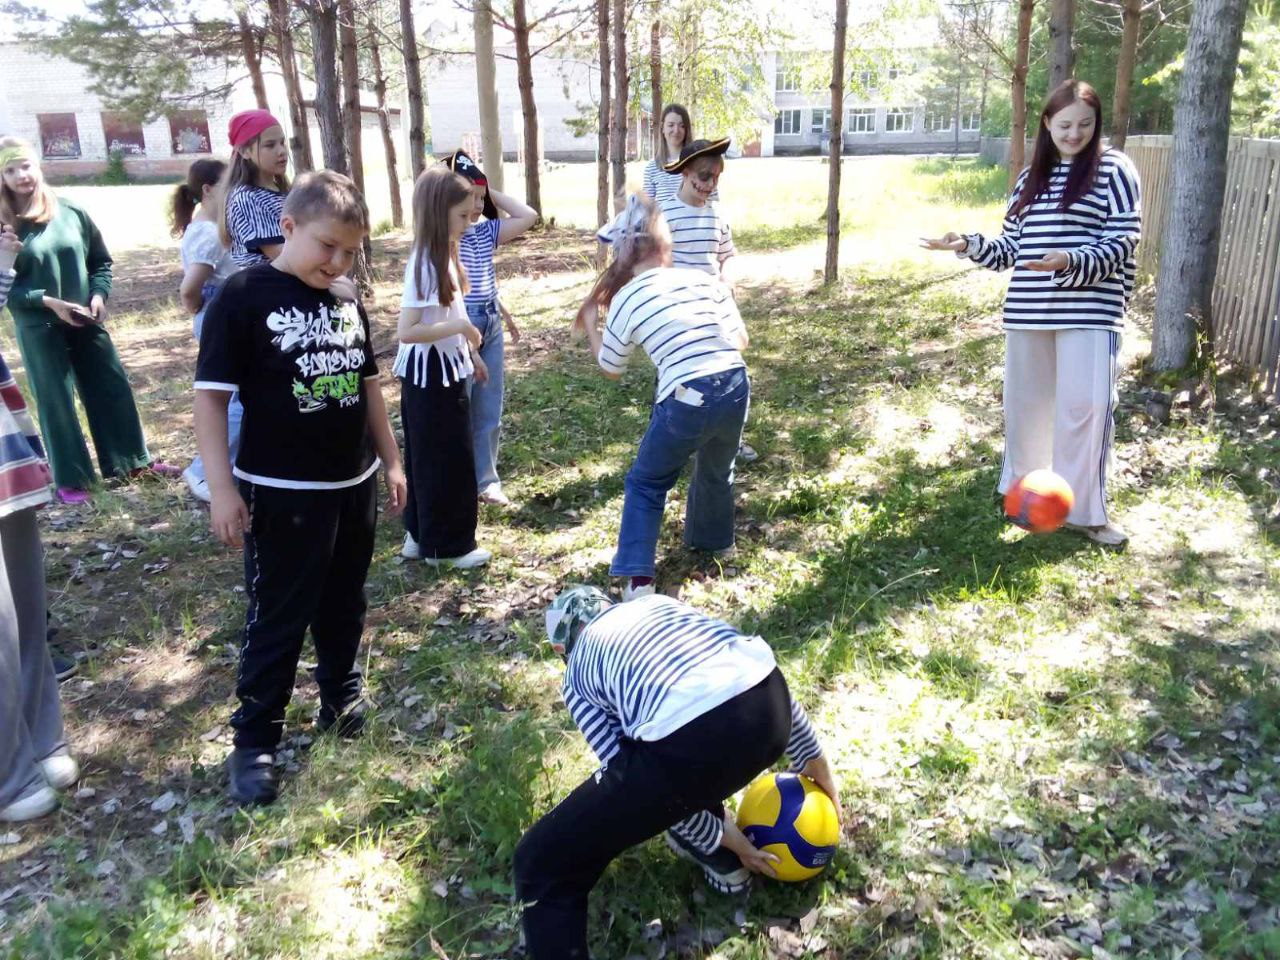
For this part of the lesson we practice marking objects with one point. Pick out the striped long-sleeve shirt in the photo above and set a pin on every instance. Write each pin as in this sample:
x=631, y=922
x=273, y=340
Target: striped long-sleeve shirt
x=1099, y=233
x=644, y=669
x=253, y=222
x=686, y=321
x=24, y=473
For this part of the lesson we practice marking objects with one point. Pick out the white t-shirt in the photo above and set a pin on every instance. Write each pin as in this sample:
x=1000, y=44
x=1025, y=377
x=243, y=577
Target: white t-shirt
x=202, y=244
x=412, y=358
x=686, y=321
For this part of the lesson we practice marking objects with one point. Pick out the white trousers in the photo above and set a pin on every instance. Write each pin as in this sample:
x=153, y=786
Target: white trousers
x=1059, y=401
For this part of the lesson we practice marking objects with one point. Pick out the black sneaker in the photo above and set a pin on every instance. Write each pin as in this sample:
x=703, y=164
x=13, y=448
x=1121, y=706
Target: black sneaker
x=724, y=871
x=347, y=723
x=64, y=667
x=252, y=776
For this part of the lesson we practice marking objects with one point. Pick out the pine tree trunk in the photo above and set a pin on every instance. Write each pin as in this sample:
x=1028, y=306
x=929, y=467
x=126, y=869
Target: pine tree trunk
x=324, y=52
x=1062, y=51
x=655, y=85
x=524, y=81
x=413, y=90
x=602, y=129
x=487, y=89
x=831, y=269
x=300, y=142
x=618, y=148
x=1124, y=73
x=252, y=60
x=1201, y=132
x=1018, y=92
x=352, y=119
x=384, y=122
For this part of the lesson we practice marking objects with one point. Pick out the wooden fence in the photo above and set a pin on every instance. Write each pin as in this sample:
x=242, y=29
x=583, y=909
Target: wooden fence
x=1246, y=290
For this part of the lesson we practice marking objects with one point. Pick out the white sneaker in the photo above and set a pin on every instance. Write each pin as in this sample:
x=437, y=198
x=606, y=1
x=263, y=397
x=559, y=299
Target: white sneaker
x=1109, y=535
x=476, y=558
x=199, y=488
x=30, y=807
x=410, y=549
x=631, y=593
x=60, y=771
x=493, y=494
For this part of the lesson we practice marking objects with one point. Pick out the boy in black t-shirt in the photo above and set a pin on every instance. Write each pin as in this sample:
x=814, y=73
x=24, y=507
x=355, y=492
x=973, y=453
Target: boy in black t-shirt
x=302, y=497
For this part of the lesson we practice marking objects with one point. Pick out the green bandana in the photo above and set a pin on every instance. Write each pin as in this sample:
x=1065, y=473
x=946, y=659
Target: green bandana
x=574, y=608
x=10, y=154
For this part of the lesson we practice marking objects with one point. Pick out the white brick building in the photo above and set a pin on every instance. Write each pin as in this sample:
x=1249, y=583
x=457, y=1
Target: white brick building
x=47, y=101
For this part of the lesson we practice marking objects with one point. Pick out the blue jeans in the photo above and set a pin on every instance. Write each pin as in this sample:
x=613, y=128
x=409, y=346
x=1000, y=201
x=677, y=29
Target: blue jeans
x=710, y=433
x=486, y=399
x=235, y=412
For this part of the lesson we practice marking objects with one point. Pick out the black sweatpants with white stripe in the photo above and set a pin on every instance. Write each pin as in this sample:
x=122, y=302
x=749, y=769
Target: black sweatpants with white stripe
x=306, y=556
x=645, y=788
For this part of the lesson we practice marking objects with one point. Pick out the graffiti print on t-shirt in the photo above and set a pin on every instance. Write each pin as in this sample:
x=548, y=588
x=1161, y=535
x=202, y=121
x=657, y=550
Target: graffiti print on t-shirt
x=328, y=348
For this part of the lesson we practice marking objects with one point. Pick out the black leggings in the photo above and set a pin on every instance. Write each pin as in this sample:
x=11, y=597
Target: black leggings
x=644, y=788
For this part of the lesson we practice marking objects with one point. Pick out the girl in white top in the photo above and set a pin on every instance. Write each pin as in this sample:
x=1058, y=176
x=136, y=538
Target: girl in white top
x=437, y=356
x=206, y=264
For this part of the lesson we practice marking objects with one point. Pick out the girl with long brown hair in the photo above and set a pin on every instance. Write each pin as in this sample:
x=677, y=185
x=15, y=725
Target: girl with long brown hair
x=437, y=356
x=59, y=307
x=688, y=324
x=1072, y=225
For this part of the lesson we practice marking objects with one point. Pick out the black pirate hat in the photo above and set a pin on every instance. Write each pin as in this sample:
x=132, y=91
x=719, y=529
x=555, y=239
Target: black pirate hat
x=461, y=163
x=698, y=148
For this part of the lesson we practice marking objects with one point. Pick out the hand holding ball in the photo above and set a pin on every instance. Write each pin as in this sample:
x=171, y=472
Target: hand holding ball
x=791, y=817
x=1039, y=502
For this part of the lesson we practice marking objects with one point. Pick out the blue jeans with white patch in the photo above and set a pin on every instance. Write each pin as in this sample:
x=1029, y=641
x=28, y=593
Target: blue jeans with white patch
x=486, y=399
x=702, y=419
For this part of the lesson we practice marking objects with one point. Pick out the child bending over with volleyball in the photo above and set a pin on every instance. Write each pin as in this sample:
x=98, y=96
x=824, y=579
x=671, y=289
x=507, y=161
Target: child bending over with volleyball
x=682, y=711
x=688, y=324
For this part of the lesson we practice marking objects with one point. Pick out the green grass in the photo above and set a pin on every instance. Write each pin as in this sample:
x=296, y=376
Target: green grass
x=1032, y=733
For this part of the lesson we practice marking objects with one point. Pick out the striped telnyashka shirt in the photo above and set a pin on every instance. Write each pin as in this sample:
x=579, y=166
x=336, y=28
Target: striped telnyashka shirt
x=644, y=669
x=24, y=472
x=475, y=250
x=1099, y=234
x=686, y=321
x=253, y=222
x=700, y=237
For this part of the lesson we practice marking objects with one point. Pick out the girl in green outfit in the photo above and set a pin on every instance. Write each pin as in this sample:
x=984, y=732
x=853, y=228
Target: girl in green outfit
x=59, y=305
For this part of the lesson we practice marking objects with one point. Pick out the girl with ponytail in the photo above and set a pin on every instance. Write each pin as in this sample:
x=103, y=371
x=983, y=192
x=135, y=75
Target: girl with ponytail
x=206, y=264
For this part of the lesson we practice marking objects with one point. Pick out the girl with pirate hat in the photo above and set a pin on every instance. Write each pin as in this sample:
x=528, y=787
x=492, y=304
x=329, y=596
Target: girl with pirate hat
x=489, y=228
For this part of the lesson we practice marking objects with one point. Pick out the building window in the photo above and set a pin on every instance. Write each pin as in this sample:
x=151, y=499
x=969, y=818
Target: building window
x=938, y=121
x=970, y=120
x=122, y=134
x=787, y=79
x=862, y=120
x=821, y=121
x=898, y=120
x=787, y=123
x=189, y=132
x=894, y=73
x=59, y=137
x=867, y=79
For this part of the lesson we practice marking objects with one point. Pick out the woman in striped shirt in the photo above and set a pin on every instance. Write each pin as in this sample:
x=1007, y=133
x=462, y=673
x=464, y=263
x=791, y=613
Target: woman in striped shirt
x=1070, y=232
x=689, y=325
x=682, y=711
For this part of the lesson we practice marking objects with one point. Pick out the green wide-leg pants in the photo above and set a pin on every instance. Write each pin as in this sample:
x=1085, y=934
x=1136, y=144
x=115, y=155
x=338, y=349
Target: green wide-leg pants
x=60, y=360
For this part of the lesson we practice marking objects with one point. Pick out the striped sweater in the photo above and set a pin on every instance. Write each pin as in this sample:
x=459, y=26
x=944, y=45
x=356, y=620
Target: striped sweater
x=1099, y=234
x=686, y=321
x=24, y=472
x=644, y=669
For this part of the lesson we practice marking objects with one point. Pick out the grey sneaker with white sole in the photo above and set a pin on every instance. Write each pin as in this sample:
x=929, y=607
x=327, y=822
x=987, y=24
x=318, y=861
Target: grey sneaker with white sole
x=722, y=868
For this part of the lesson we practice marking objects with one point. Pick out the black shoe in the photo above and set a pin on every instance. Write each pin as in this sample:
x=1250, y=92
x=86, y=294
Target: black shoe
x=64, y=668
x=252, y=776
x=347, y=723
x=724, y=871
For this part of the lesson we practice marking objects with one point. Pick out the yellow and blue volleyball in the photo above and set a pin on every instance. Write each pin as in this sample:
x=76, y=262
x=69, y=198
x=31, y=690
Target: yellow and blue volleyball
x=791, y=817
